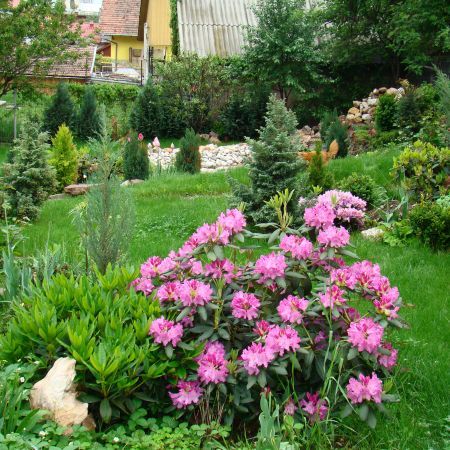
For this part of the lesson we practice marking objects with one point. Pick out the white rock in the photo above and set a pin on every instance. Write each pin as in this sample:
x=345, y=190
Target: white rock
x=56, y=393
x=373, y=234
x=372, y=101
x=366, y=117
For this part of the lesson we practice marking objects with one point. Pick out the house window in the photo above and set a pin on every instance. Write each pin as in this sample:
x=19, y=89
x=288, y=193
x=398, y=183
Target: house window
x=135, y=55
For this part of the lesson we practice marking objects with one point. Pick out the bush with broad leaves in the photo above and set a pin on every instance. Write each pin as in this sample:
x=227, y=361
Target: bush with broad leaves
x=296, y=320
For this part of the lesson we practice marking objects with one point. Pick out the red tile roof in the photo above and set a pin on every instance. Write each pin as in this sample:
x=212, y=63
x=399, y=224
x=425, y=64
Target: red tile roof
x=120, y=17
x=78, y=68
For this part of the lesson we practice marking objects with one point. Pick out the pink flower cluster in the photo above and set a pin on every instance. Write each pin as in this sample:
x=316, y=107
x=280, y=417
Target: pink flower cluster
x=291, y=308
x=365, y=388
x=366, y=335
x=221, y=268
x=166, y=331
x=299, y=247
x=315, y=407
x=189, y=393
x=245, y=305
x=212, y=365
x=270, y=267
x=332, y=297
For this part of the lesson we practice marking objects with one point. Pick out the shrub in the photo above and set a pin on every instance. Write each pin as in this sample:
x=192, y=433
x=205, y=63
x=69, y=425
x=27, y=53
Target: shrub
x=135, y=158
x=386, y=113
x=337, y=131
x=275, y=165
x=104, y=327
x=64, y=157
x=363, y=186
x=29, y=178
x=423, y=168
x=328, y=118
x=318, y=173
x=287, y=322
x=60, y=111
x=146, y=113
x=383, y=138
x=188, y=158
x=443, y=89
x=431, y=222
x=409, y=112
x=88, y=118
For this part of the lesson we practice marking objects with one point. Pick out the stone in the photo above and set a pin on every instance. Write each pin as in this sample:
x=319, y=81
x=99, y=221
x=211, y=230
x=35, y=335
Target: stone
x=213, y=134
x=56, y=393
x=372, y=101
x=373, y=234
x=366, y=117
x=131, y=182
x=357, y=119
x=364, y=107
x=375, y=92
x=77, y=189
x=350, y=117
x=57, y=197
x=354, y=111
x=214, y=140
x=391, y=91
x=204, y=136
x=382, y=90
x=356, y=103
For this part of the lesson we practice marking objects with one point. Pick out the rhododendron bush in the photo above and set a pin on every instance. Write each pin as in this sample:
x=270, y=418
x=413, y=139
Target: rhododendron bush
x=297, y=320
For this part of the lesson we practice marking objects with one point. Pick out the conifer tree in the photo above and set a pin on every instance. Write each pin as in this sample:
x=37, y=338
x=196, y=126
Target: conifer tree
x=188, y=159
x=89, y=122
x=318, y=173
x=135, y=159
x=337, y=131
x=29, y=177
x=145, y=117
x=61, y=110
x=64, y=157
x=275, y=164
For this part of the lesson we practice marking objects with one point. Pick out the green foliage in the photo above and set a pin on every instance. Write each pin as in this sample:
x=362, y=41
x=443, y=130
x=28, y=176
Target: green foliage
x=135, y=159
x=431, y=222
x=281, y=48
x=109, y=94
x=363, y=186
x=64, y=157
x=34, y=35
x=188, y=158
x=318, y=173
x=327, y=119
x=386, y=113
x=175, y=38
x=383, y=138
x=275, y=165
x=106, y=220
x=60, y=110
x=442, y=84
x=244, y=113
x=88, y=118
x=29, y=178
x=337, y=131
x=104, y=327
x=15, y=413
x=398, y=233
x=423, y=168
x=409, y=112
x=146, y=116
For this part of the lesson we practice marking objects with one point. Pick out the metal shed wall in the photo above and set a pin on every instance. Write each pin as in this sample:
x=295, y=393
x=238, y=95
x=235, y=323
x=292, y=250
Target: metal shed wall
x=213, y=27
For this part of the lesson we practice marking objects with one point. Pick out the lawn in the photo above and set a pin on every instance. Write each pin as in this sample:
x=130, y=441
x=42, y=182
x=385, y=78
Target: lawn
x=4, y=148
x=170, y=207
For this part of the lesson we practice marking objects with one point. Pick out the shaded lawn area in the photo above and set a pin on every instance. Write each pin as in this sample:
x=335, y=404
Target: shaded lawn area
x=4, y=148
x=170, y=207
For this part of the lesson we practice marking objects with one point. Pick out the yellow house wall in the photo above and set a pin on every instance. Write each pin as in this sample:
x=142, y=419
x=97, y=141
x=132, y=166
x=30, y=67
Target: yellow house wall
x=158, y=20
x=123, y=47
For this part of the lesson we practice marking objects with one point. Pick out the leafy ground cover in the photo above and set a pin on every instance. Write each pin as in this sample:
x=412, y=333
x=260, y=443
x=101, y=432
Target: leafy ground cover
x=170, y=207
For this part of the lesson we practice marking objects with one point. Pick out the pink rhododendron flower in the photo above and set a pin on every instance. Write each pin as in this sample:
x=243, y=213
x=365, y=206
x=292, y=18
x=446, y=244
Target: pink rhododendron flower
x=365, y=272
x=166, y=331
x=262, y=328
x=221, y=268
x=245, y=306
x=343, y=277
x=333, y=297
x=299, y=247
x=194, y=293
x=189, y=393
x=156, y=142
x=388, y=361
x=233, y=221
x=365, y=334
x=168, y=292
x=211, y=234
x=386, y=307
x=290, y=309
x=320, y=340
x=140, y=136
x=212, y=365
x=143, y=285
x=365, y=388
x=334, y=237
x=320, y=216
x=315, y=407
x=150, y=267
x=281, y=340
x=255, y=356
x=290, y=407
x=270, y=267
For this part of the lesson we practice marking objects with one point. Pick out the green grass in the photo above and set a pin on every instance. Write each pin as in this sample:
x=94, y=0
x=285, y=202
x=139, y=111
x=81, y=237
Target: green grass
x=4, y=148
x=171, y=206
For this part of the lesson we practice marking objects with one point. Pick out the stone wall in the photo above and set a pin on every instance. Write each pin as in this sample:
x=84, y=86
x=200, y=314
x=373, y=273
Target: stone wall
x=214, y=157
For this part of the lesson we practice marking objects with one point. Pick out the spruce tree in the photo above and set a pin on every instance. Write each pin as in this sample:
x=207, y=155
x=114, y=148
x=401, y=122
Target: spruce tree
x=135, y=159
x=318, y=174
x=61, y=110
x=275, y=164
x=337, y=130
x=29, y=177
x=145, y=117
x=64, y=157
x=188, y=159
x=89, y=122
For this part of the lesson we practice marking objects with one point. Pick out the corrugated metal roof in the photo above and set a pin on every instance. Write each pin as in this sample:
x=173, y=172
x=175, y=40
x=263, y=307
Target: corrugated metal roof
x=214, y=27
